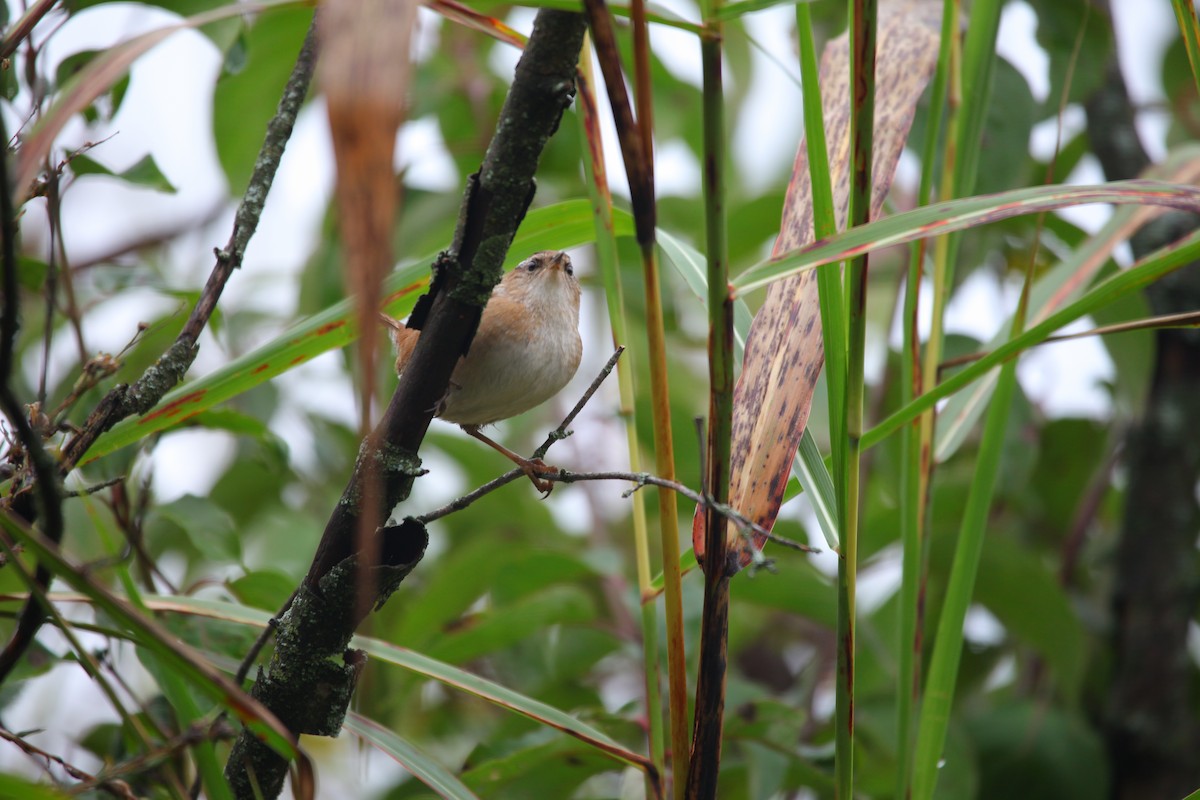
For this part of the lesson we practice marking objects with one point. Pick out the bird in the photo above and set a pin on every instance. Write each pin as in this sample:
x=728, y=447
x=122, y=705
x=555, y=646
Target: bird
x=526, y=349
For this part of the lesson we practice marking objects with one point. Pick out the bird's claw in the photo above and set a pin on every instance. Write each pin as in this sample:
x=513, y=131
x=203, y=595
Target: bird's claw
x=532, y=467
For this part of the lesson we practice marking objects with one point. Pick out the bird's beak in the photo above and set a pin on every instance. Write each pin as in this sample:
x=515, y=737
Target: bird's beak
x=561, y=262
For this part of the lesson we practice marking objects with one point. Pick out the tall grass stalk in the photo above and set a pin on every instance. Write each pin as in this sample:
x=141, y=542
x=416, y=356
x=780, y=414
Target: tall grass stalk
x=596, y=175
x=710, y=683
x=947, y=647
x=917, y=438
x=863, y=17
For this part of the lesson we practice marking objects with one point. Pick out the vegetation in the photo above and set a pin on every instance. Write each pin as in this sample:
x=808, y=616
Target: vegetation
x=1006, y=593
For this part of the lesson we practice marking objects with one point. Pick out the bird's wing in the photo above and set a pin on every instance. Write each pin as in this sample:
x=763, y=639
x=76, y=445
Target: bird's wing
x=404, y=339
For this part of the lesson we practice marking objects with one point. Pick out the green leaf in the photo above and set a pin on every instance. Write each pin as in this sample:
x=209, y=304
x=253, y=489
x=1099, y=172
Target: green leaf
x=424, y=665
x=244, y=102
x=553, y=768
x=502, y=627
x=31, y=273
x=1028, y=600
x=1077, y=39
x=144, y=173
x=208, y=527
x=266, y=589
x=15, y=788
x=423, y=767
x=957, y=215
x=1008, y=123
x=1035, y=751
x=72, y=65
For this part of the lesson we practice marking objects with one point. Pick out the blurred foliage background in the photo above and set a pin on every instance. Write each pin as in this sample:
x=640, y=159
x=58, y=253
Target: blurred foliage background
x=541, y=596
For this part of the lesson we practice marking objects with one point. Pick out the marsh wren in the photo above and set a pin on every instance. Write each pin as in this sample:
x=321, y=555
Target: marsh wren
x=525, y=351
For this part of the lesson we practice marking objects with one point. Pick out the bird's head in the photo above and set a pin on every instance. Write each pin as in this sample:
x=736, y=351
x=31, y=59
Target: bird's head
x=545, y=278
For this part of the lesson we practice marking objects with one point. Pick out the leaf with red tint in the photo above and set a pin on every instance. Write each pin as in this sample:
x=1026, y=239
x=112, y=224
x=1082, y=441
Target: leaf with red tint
x=784, y=354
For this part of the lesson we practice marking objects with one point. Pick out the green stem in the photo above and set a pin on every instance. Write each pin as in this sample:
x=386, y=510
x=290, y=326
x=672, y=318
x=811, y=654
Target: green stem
x=947, y=650
x=916, y=463
x=829, y=285
x=863, y=15
x=596, y=174
x=668, y=519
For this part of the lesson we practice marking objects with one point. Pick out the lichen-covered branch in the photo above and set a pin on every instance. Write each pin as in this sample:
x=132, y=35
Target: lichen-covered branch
x=311, y=676
x=126, y=400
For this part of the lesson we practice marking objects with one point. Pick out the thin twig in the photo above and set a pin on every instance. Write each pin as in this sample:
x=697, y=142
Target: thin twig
x=261, y=642
x=640, y=479
x=33, y=751
x=560, y=433
x=99, y=487
x=44, y=476
x=124, y=401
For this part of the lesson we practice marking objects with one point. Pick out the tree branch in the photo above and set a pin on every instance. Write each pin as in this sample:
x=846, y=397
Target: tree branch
x=124, y=400
x=311, y=660
x=1151, y=736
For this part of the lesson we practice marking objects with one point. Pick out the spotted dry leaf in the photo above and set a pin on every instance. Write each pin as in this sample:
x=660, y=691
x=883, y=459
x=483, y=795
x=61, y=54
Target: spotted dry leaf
x=783, y=351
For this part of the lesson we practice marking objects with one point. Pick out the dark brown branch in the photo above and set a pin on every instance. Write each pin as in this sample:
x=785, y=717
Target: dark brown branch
x=1151, y=736
x=40, y=478
x=632, y=139
x=311, y=659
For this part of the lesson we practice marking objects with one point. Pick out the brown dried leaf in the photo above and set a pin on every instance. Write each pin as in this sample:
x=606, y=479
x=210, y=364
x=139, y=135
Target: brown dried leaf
x=783, y=350
x=364, y=72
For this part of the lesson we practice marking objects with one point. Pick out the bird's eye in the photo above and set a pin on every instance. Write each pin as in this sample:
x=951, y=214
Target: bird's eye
x=532, y=264
x=570, y=269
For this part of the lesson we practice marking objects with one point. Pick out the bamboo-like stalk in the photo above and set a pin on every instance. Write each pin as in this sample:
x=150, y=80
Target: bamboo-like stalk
x=863, y=14
x=596, y=174
x=947, y=647
x=668, y=515
x=664, y=446
x=704, y=765
x=639, y=168
x=917, y=438
x=1189, y=30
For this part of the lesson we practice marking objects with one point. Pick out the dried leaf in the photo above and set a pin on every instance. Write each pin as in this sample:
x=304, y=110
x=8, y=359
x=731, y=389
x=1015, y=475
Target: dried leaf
x=784, y=354
x=364, y=72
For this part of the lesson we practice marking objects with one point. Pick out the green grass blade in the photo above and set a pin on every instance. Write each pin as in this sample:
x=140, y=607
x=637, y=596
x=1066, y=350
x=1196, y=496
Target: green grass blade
x=958, y=215
x=422, y=766
x=947, y=648
x=422, y=665
x=809, y=468
x=1144, y=272
x=1189, y=30
x=148, y=633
